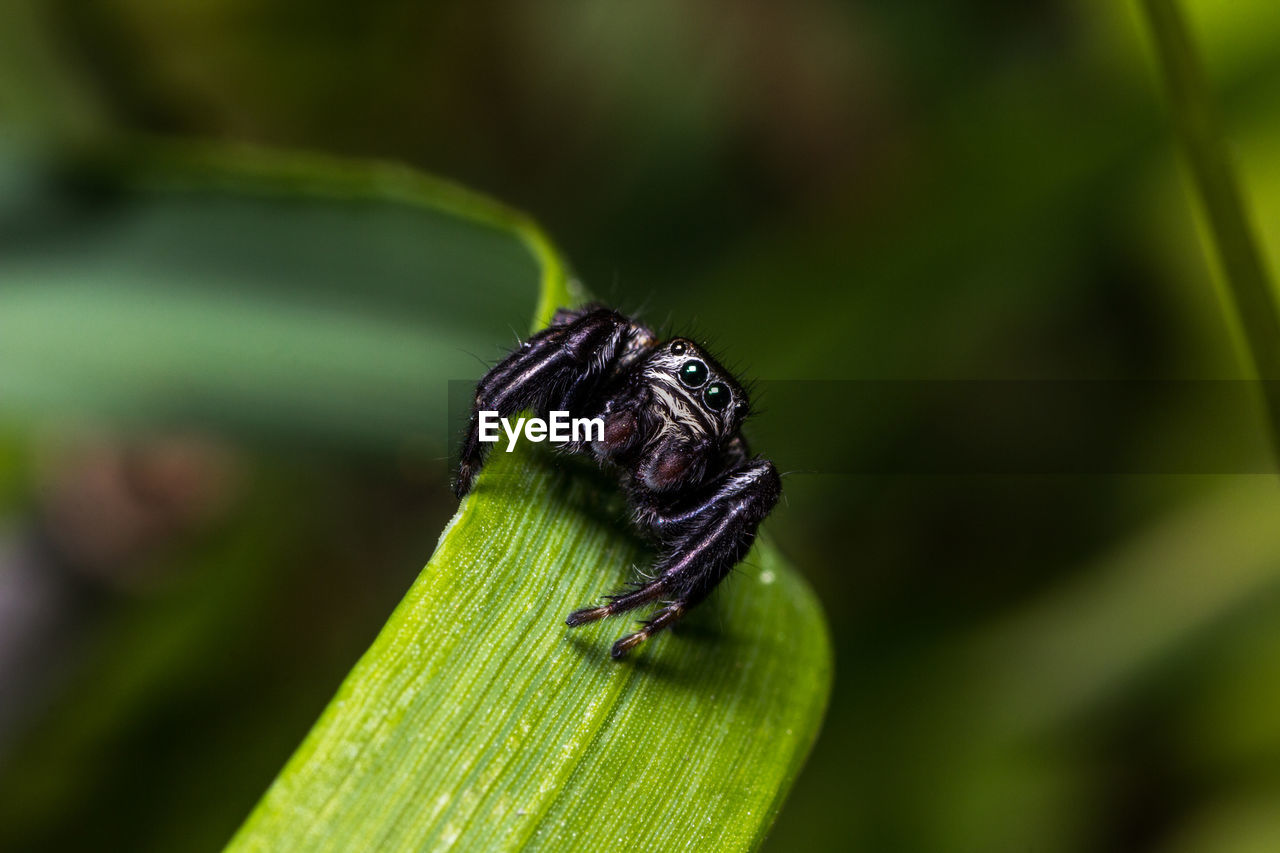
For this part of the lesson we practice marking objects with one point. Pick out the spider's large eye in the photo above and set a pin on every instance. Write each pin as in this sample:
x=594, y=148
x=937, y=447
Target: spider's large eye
x=717, y=396
x=693, y=373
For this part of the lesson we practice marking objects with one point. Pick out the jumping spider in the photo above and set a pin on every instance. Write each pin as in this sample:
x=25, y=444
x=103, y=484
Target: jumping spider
x=672, y=417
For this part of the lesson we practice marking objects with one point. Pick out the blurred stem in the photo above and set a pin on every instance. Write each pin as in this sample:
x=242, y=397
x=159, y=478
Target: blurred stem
x=1198, y=127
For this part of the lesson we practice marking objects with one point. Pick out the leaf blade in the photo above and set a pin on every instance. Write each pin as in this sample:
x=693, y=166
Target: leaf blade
x=694, y=742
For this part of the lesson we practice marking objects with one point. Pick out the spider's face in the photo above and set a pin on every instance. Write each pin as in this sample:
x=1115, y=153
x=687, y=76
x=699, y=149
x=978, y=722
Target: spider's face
x=694, y=392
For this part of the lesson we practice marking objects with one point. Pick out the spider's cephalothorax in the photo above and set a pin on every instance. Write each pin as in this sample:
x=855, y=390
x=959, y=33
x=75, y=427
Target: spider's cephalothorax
x=672, y=417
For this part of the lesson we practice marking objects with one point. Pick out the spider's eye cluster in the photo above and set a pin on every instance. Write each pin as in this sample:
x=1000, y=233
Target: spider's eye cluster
x=717, y=396
x=693, y=374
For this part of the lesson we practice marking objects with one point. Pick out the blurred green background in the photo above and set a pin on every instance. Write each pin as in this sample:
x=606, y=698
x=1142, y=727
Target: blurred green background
x=824, y=190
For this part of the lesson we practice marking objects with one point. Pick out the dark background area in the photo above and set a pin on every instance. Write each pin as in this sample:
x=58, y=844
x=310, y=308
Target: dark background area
x=836, y=192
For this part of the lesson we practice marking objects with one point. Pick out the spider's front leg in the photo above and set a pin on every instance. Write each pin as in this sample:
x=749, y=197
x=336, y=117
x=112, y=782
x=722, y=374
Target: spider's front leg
x=553, y=369
x=700, y=544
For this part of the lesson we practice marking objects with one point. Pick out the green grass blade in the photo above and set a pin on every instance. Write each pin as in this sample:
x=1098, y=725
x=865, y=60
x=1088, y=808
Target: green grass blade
x=478, y=719
x=1239, y=258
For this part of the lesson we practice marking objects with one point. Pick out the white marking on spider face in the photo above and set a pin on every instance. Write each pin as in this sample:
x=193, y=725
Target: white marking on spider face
x=679, y=408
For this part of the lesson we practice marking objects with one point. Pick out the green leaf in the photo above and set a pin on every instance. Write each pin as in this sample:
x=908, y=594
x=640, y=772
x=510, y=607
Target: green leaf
x=478, y=719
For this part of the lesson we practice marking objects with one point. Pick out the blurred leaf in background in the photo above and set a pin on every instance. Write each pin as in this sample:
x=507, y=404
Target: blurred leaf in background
x=845, y=191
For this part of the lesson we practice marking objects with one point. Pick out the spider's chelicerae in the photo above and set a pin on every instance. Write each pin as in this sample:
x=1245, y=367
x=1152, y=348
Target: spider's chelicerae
x=672, y=417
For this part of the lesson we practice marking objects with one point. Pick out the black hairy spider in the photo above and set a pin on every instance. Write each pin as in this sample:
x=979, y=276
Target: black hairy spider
x=672, y=417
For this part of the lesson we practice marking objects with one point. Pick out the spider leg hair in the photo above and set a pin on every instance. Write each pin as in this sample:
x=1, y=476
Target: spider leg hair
x=549, y=371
